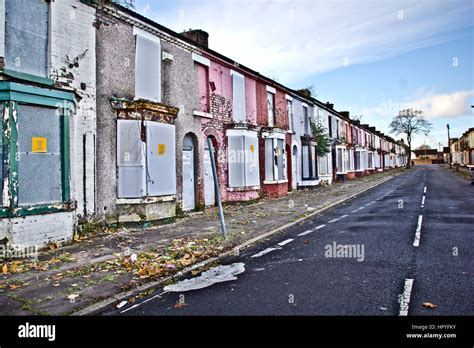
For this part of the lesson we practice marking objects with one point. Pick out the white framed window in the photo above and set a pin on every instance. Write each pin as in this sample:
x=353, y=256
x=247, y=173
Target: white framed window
x=238, y=96
x=242, y=154
x=147, y=66
x=145, y=168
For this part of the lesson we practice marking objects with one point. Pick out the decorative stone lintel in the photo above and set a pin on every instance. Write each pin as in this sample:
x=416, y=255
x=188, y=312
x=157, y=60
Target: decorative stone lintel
x=144, y=110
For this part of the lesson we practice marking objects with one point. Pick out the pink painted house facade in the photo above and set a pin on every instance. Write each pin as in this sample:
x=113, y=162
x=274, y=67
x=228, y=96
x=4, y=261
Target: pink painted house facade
x=228, y=117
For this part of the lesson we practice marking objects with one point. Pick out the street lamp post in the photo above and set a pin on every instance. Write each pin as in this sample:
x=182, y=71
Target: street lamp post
x=449, y=147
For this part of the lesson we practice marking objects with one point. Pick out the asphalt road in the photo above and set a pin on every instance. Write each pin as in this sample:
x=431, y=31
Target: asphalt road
x=388, y=276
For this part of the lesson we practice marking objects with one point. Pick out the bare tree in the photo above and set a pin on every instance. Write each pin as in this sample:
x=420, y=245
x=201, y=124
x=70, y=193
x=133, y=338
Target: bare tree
x=410, y=122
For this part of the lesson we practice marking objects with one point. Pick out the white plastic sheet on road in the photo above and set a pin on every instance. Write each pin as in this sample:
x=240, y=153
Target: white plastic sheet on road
x=212, y=276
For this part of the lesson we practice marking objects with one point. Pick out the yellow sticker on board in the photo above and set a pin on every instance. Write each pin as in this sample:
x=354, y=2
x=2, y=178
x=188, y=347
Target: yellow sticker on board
x=161, y=149
x=39, y=144
x=252, y=149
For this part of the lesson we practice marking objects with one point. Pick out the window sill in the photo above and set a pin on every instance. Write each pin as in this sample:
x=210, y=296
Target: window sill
x=243, y=189
x=274, y=182
x=202, y=114
x=145, y=200
x=37, y=210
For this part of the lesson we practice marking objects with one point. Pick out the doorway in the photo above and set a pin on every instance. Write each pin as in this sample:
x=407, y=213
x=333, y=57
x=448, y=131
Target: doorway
x=189, y=186
x=209, y=189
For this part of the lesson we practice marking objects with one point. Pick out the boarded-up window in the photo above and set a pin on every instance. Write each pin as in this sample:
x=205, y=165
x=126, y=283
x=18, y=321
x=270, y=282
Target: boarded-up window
x=269, y=160
x=238, y=97
x=243, y=161
x=145, y=168
x=130, y=159
x=323, y=165
x=161, y=159
x=309, y=162
x=147, y=69
x=281, y=159
x=340, y=160
x=236, y=158
x=39, y=160
x=26, y=36
x=203, y=81
x=358, y=160
x=306, y=121
x=252, y=175
x=289, y=107
x=271, y=108
x=305, y=161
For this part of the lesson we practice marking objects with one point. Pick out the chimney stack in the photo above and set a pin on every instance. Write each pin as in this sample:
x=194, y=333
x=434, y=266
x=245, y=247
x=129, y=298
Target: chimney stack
x=198, y=36
x=330, y=106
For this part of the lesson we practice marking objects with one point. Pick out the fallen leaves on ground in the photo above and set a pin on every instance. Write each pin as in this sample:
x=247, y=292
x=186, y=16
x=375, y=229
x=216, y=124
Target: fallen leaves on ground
x=21, y=266
x=169, y=259
x=429, y=305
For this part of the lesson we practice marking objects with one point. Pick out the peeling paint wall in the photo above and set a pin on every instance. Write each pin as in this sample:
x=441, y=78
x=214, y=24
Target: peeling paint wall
x=70, y=34
x=73, y=35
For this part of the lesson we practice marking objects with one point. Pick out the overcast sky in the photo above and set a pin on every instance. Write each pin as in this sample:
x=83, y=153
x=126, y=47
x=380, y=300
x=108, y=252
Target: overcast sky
x=370, y=57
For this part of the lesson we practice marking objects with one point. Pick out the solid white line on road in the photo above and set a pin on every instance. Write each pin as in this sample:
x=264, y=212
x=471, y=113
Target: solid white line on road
x=424, y=190
x=266, y=251
x=147, y=300
x=423, y=202
x=337, y=219
x=416, y=242
x=285, y=242
x=320, y=226
x=305, y=233
x=405, y=299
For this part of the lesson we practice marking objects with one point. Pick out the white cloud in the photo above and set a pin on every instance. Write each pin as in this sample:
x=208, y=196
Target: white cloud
x=447, y=105
x=304, y=37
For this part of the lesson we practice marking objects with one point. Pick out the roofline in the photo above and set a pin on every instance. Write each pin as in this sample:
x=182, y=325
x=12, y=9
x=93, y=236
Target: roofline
x=239, y=66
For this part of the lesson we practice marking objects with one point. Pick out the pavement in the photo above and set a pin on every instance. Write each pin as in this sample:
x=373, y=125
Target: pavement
x=128, y=264
x=403, y=248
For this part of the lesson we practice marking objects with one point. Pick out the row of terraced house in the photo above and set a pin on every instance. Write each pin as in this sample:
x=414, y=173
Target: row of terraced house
x=106, y=116
x=461, y=149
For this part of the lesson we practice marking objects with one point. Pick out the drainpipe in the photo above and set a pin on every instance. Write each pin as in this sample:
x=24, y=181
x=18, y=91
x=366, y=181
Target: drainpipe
x=216, y=186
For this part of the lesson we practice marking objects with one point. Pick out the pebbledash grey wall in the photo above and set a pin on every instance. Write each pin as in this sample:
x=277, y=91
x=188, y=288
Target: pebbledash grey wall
x=116, y=78
x=115, y=48
x=180, y=89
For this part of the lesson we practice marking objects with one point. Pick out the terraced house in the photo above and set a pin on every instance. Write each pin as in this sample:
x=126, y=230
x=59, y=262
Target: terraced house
x=47, y=102
x=107, y=116
x=462, y=149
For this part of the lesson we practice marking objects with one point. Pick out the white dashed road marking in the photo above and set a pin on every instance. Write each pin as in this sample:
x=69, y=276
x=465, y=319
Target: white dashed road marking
x=423, y=202
x=305, y=233
x=320, y=226
x=263, y=252
x=337, y=219
x=418, y=231
x=285, y=242
x=405, y=299
x=424, y=190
